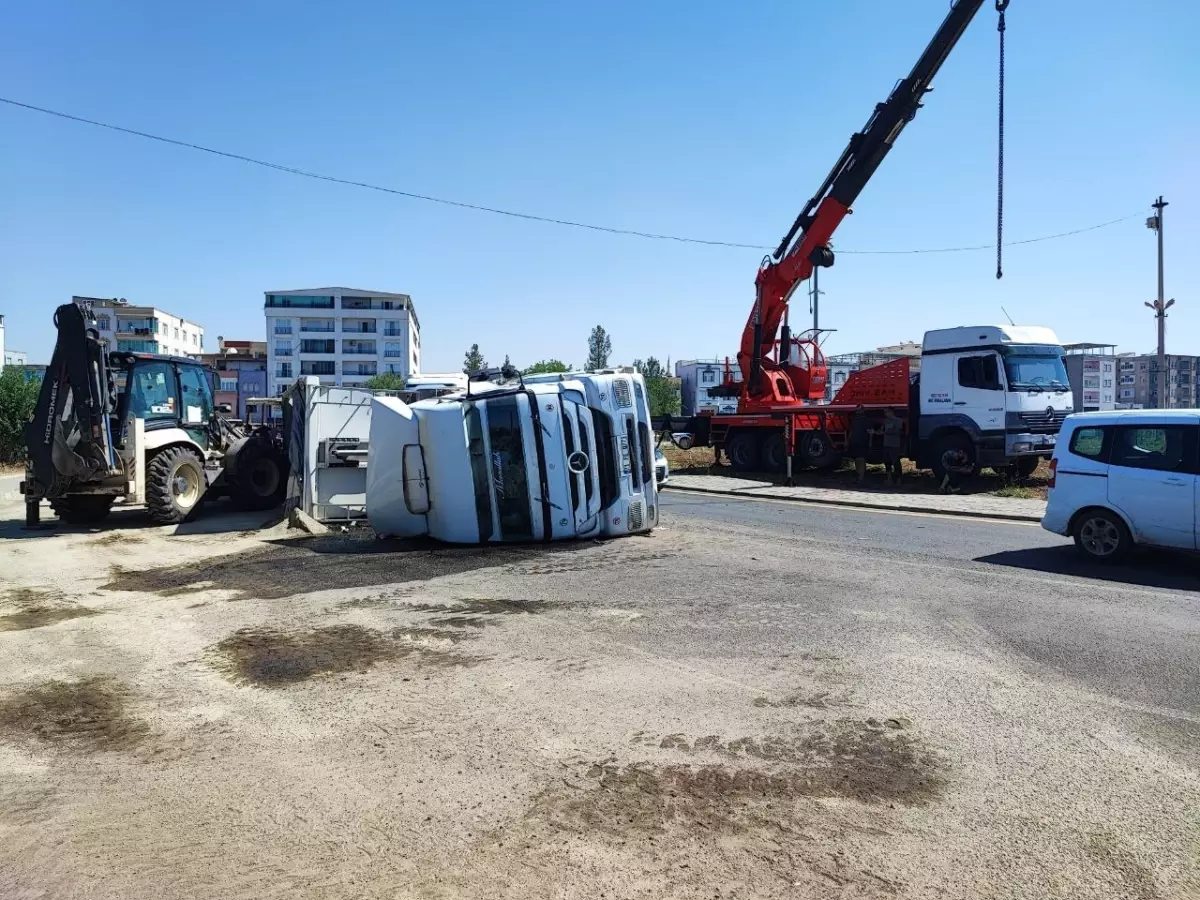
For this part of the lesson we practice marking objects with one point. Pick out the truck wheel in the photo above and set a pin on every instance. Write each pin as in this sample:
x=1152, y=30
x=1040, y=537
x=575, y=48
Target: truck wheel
x=260, y=481
x=743, y=451
x=816, y=450
x=1025, y=466
x=952, y=441
x=82, y=509
x=774, y=454
x=174, y=485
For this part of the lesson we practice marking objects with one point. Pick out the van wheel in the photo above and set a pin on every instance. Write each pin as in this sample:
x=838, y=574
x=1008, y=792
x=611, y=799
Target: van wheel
x=743, y=451
x=175, y=485
x=1101, y=535
x=774, y=454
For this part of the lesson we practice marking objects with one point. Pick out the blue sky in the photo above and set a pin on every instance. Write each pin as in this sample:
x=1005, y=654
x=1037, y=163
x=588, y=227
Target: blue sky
x=710, y=119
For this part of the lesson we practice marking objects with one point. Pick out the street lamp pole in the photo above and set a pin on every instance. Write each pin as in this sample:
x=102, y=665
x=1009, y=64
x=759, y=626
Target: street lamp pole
x=1155, y=223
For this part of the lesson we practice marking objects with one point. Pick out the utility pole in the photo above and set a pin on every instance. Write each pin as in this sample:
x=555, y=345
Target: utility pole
x=1155, y=223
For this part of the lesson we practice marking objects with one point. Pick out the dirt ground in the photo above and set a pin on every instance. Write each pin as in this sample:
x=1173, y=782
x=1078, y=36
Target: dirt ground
x=235, y=712
x=699, y=461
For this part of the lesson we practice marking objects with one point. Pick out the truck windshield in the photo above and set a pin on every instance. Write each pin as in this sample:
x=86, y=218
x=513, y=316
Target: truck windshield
x=1034, y=367
x=510, y=479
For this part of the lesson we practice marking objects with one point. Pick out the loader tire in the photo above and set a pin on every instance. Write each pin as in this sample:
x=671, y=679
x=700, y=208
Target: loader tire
x=82, y=509
x=259, y=476
x=175, y=485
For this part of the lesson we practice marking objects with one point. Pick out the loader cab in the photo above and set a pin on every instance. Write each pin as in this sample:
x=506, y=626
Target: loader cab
x=167, y=393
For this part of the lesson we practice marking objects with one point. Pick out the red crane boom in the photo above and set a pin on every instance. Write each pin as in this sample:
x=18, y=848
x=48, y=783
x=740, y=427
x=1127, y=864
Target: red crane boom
x=773, y=383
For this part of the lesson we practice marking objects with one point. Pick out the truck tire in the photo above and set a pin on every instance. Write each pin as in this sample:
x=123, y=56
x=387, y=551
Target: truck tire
x=817, y=452
x=82, y=509
x=954, y=440
x=774, y=454
x=259, y=479
x=744, y=451
x=1025, y=466
x=175, y=485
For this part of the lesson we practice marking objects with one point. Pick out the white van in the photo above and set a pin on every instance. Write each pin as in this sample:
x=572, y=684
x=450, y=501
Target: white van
x=1124, y=478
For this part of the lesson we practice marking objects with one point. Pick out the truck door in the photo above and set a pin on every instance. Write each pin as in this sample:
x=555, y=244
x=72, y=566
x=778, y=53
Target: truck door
x=979, y=390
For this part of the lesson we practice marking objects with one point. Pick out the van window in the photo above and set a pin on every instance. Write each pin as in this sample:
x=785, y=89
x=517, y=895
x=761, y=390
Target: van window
x=981, y=372
x=1091, y=442
x=1165, y=448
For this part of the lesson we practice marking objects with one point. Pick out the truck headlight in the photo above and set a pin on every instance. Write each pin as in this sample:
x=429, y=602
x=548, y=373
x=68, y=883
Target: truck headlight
x=1022, y=447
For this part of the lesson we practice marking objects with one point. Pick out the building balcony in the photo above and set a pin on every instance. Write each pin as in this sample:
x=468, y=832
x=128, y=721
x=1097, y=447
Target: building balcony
x=327, y=347
x=357, y=348
x=283, y=329
x=393, y=332
x=283, y=352
x=322, y=328
x=363, y=371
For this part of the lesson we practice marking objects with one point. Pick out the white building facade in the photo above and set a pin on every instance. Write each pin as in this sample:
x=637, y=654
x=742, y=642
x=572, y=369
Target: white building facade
x=341, y=335
x=144, y=329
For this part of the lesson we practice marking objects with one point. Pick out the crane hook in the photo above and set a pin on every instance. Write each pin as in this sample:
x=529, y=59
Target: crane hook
x=1001, y=6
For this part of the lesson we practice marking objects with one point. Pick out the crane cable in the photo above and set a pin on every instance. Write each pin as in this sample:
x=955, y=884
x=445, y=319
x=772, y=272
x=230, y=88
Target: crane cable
x=1001, y=6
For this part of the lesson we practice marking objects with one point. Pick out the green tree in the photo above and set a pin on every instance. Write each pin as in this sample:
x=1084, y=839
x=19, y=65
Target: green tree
x=661, y=391
x=546, y=365
x=599, y=348
x=473, y=361
x=651, y=368
x=18, y=397
x=386, y=381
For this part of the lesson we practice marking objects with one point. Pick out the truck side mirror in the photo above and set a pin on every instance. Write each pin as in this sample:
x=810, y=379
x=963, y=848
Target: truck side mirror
x=224, y=408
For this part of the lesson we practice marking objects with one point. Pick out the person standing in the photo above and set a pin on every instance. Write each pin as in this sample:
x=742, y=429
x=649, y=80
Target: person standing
x=893, y=444
x=860, y=442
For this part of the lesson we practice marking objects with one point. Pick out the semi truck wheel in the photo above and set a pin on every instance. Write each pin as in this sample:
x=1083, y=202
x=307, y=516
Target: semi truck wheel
x=174, y=485
x=1025, y=466
x=82, y=509
x=816, y=450
x=952, y=441
x=744, y=451
x=774, y=454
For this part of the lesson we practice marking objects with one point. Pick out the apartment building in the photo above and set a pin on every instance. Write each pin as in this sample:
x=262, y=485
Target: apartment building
x=341, y=335
x=1138, y=381
x=241, y=368
x=143, y=329
x=1092, y=373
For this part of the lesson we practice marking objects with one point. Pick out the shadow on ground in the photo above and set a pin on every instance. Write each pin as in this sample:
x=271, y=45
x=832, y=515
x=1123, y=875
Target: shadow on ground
x=1148, y=568
x=217, y=517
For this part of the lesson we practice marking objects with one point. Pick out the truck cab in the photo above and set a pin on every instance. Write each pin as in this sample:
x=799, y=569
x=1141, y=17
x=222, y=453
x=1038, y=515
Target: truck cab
x=554, y=457
x=1000, y=392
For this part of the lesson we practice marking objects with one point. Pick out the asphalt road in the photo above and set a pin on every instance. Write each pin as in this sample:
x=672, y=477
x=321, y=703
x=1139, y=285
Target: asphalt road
x=1131, y=632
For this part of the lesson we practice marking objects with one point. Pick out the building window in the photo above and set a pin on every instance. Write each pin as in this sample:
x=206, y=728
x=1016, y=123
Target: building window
x=708, y=376
x=318, y=367
x=393, y=349
x=102, y=322
x=283, y=370
x=318, y=346
x=279, y=301
x=283, y=348
x=229, y=384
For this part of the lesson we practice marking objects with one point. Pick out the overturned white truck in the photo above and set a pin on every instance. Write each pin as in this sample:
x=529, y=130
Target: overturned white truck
x=554, y=457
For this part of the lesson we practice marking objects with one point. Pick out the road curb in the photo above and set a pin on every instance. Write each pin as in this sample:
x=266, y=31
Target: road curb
x=750, y=492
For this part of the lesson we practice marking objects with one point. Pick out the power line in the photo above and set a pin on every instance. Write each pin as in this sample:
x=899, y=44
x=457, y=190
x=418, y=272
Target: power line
x=630, y=232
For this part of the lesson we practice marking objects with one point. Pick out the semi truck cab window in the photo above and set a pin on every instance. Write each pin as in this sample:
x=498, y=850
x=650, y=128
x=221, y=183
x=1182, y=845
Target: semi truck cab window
x=510, y=479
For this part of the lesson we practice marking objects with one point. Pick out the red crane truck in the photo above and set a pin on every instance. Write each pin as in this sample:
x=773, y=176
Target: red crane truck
x=780, y=418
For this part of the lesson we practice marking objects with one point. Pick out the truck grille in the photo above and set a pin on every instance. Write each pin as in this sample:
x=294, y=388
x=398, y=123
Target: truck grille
x=1048, y=422
x=635, y=515
x=621, y=393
